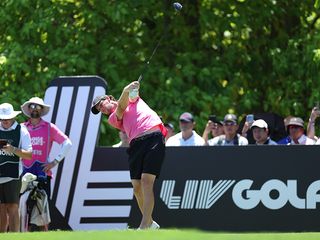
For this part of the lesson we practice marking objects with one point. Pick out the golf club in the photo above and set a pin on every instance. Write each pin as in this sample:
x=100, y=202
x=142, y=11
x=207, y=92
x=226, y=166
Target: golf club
x=177, y=6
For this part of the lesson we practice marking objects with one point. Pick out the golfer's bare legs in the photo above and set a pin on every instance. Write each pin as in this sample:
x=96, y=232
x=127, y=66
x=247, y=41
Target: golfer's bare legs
x=137, y=190
x=147, y=181
x=3, y=218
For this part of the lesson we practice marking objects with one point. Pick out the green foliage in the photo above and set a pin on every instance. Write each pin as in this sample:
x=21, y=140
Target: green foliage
x=217, y=56
x=177, y=234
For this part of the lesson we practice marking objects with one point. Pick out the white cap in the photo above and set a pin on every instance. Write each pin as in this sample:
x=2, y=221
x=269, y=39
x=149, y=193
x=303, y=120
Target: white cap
x=260, y=123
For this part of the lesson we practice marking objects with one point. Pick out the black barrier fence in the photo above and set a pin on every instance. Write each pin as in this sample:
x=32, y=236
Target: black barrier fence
x=247, y=188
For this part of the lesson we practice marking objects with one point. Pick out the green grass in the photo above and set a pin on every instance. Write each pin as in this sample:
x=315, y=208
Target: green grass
x=156, y=235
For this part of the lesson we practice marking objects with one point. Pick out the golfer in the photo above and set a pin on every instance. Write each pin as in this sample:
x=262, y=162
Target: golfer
x=146, y=135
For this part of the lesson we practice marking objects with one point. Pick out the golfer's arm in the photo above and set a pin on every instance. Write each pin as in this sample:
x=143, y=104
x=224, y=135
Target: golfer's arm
x=122, y=103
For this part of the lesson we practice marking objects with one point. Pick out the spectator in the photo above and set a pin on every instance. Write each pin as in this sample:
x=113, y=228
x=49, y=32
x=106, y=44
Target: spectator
x=287, y=139
x=315, y=113
x=296, y=132
x=124, y=141
x=215, y=127
x=18, y=146
x=230, y=136
x=260, y=133
x=43, y=134
x=170, y=129
x=187, y=136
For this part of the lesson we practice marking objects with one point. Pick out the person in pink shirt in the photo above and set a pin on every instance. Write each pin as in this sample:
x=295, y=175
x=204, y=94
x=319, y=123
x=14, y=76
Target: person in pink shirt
x=146, y=134
x=43, y=134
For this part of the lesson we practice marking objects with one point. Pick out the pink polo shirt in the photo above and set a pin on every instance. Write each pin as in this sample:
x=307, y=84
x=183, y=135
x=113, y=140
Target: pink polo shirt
x=137, y=119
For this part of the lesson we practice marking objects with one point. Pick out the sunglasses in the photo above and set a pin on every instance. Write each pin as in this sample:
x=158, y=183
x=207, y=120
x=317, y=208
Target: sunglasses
x=229, y=124
x=294, y=127
x=33, y=106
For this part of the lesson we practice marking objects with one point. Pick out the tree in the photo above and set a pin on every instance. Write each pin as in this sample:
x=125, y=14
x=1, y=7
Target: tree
x=216, y=57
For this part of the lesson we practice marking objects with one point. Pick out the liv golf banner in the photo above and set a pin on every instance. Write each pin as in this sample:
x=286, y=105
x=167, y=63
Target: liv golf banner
x=242, y=188
x=246, y=188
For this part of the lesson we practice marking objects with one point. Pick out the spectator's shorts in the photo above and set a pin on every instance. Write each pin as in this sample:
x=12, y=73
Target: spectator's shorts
x=146, y=155
x=10, y=191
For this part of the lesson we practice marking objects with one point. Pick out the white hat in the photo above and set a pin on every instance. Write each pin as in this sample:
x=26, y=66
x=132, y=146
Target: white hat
x=26, y=179
x=260, y=123
x=7, y=112
x=35, y=100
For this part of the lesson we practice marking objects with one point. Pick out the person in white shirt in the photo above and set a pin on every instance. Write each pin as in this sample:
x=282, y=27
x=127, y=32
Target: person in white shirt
x=260, y=132
x=230, y=136
x=187, y=136
x=215, y=127
x=16, y=144
x=296, y=132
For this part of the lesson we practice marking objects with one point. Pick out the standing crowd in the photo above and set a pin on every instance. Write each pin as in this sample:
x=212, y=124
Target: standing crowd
x=227, y=132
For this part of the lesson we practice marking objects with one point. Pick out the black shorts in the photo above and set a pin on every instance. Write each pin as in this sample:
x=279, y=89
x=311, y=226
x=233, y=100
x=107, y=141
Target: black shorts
x=146, y=155
x=10, y=191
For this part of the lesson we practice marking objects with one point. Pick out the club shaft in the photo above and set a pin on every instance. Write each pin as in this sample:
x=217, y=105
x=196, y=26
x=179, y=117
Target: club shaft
x=148, y=62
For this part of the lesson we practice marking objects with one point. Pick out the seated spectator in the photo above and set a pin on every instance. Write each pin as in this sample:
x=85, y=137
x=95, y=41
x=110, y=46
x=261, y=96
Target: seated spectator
x=260, y=133
x=215, y=127
x=296, y=132
x=170, y=129
x=187, y=136
x=287, y=139
x=124, y=140
x=230, y=136
x=315, y=113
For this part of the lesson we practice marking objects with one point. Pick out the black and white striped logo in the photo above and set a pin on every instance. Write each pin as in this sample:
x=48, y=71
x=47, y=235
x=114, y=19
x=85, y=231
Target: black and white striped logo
x=86, y=199
x=197, y=194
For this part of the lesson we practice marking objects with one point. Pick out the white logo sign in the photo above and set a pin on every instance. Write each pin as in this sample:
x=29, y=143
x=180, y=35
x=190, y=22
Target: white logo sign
x=286, y=193
x=204, y=194
x=197, y=194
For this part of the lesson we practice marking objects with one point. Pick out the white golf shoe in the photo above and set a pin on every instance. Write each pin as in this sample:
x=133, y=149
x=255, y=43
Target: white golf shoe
x=154, y=225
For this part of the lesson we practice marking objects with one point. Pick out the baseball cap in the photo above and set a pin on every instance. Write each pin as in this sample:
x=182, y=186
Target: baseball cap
x=95, y=102
x=186, y=117
x=260, y=123
x=230, y=118
x=296, y=121
x=217, y=122
x=169, y=125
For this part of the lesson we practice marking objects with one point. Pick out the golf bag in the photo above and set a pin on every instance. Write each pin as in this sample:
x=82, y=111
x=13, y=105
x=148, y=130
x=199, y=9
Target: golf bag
x=34, y=206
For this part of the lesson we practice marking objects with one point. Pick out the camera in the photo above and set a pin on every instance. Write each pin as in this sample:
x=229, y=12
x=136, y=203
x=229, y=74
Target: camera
x=213, y=118
x=3, y=142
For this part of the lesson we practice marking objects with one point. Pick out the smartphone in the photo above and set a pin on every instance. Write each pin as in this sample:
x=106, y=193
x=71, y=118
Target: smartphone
x=213, y=118
x=3, y=142
x=250, y=118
